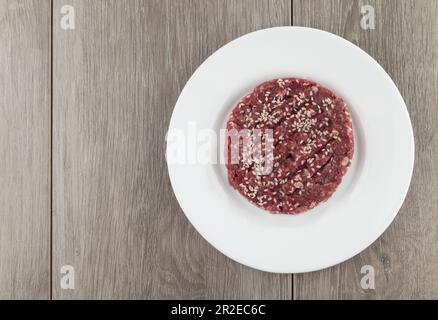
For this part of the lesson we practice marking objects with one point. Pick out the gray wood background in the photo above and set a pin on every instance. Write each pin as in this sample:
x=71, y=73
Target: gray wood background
x=82, y=126
x=24, y=149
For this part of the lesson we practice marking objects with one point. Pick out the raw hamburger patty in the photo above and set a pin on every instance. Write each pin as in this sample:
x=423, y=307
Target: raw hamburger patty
x=312, y=145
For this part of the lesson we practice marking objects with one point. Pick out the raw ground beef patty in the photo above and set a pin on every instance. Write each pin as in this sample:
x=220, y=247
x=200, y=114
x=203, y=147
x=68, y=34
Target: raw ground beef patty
x=312, y=144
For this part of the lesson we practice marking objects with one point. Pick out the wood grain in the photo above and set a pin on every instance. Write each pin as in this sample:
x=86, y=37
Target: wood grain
x=116, y=79
x=405, y=43
x=24, y=149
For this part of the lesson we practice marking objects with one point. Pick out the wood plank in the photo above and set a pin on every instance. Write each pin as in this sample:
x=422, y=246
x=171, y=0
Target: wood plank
x=405, y=43
x=24, y=149
x=117, y=77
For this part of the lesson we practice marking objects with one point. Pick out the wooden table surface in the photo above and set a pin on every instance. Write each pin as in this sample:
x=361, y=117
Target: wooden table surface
x=83, y=117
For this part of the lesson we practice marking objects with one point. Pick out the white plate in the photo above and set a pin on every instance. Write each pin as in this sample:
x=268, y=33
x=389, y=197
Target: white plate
x=368, y=198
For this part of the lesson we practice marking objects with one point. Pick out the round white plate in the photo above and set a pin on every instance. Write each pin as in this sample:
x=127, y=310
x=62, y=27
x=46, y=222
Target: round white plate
x=369, y=196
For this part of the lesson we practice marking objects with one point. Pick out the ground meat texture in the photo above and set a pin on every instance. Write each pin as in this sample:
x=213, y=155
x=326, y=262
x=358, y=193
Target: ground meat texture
x=312, y=145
